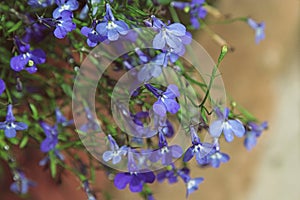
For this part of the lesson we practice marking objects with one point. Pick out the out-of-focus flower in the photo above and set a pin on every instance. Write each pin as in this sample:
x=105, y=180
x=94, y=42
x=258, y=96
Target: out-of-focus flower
x=253, y=133
x=21, y=184
x=259, y=29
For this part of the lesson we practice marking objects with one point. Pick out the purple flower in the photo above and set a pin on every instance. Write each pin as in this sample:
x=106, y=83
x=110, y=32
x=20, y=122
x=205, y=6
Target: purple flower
x=93, y=37
x=165, y=153
x=229, y=127
x=116, y=153
x=51, y=140
x=171, y=174
x=195, y=8
x=2, y=86
x=253, y=133
x=35, y=32
x=60, y=119
x=199, y=150
x=63, y=5
x=110, y=27
x=21, y=184
x=192, y=185
x=169, y=35
x=40, y=3
x=10, y=126
x=64, y=24
x=217, y=158
x=27, y=59
x=134, y=178
x=166, y=100
x=259, y=29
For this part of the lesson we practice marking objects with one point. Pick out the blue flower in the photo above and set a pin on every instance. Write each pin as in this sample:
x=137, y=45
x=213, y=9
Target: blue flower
x=21, y=184
x=216, y=158
x=51, y=140
x=60, y=119
x=27, y=60
x=253, y=133
x=2, y=86
x=116, y=153
x=35, y=32
x=92, y=124
x=10, y=126
x=165, y=153
x=259, y=29
x=166, y=100
x=195, y=8
x=199, y=150
x=63, y=5
x=169, y=35
x=64, y=24
x=192, y=185
x=134, y=178
x=229, y=127
x=110, y=27
x=40, y=3
x=171, y=174
x=93, y=37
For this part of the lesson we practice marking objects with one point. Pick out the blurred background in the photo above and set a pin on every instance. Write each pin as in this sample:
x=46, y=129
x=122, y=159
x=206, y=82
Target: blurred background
x=265, y=79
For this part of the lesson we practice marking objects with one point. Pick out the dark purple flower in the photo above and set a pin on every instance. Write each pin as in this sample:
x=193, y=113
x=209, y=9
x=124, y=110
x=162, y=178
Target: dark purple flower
x=35, y=32
x=110, y=27
x=134, y=177
x=27, y=60
x=253, y=133
x=165, y=153
x=40, y=3
x=259, y=29
x=21, y=184
x=10, y=126
x=168, y=35
x=63, y=5
x=2, y=86
x=195, y=8
x=229, y=127
x=93, y=37
x=115, y=153
x=166, y=100
x=51, y=140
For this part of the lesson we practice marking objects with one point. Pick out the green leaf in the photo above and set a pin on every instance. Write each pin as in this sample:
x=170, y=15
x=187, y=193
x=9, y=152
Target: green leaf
x=164, y=2
x=15, y=27
x=52, y=164
x=34, y=111
x=24, y=141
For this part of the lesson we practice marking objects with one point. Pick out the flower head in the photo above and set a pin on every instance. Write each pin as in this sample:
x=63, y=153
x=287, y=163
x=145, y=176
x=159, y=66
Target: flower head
x=259, y=29
x=27, y=60
x=110, y=27
x=170, y=35
x=10, y=126
x=115, y=153
x=63, y=5
x=2, y=86
x=64, y=24
x=229, y=127
x=166, y=100
x=93, y=37
x=51, y=140
x=40, y=3
x=21, y=184
x=253, y=133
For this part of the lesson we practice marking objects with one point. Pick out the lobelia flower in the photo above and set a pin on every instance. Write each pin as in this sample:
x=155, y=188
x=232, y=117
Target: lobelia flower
x=110, y=27
x=58, y=155
x=27, y=60
x=170, y=35
x=259, y=29
x=93, y=37
x=63, y=5
x=40, y=3
x=10, y=126
x=91, y=124
x=116, y=153
x=88, y=190
x=85, y=9
x=166, y=100
x=35, y=32
x=171, y=174
x=134, y=177
x=199, y=150
x=21, y=184
x=64, y=24
x=253, y=133
x=51, y=140
x=60, y=119
x=229, y=127
x=217, y=158
x=195, y=8
x=2, y=86
x=165, y=153
x=192, y=184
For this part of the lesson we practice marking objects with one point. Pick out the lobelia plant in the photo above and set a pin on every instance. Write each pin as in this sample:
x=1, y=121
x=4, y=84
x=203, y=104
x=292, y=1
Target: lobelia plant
x=47, y=48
